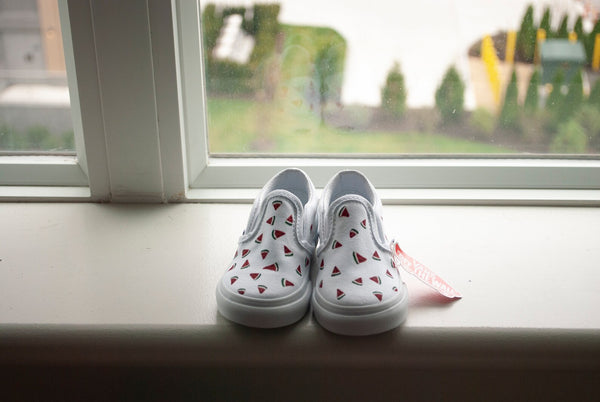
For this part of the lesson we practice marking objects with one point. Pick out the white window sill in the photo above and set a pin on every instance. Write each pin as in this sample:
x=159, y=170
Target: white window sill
x=134, y=284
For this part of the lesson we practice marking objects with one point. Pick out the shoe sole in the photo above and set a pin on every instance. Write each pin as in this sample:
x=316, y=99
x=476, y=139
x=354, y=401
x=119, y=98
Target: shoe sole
x=362, y=324
x=276, y=316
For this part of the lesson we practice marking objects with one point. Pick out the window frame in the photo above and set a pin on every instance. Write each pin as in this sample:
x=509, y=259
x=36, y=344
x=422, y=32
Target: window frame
x=435, y=172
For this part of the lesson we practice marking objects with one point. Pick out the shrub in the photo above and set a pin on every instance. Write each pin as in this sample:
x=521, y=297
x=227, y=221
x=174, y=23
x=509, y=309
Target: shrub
x=483, y=122
x=38, y=137
x=554, y=100
x=531, y=103
x=573, y=99
x=589, y=119
x=509, y=115
x=578, y=29
x=266, y=28
x=393, y=94
x=594, y=98
x=450, y=96
x=228, y=78
x=211, y=26
x=526, y=37
x=571, y=138
x=329, y=77
x=563, y=28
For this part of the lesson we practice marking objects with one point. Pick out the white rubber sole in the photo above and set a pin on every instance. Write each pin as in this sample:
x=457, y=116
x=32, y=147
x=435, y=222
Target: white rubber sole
x=265, y=316
x=357, y=323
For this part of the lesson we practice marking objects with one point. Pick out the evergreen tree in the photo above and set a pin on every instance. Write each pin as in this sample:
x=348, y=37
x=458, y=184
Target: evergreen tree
x=545, y=23
x=526, y=37
x=554, y=100
x=509, y=115
x=578, y=29
x=574, y=98
x=563, y=28
x=211, y=26
x=393, y=94
x=594, y=98
x=450, y=96
x=328, y=75
x=532, y=97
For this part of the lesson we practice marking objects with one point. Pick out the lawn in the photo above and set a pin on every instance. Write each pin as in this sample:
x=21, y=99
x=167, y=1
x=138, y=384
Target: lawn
x=248, y=126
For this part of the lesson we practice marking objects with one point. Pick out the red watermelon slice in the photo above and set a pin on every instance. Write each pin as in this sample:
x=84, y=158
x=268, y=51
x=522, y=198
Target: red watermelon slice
x=336, y=271
x=306, y=261
x=277, y=204
x=232, y=267
x=261, y=289
x=376, y=279
x=395, y=289
x=388, y=273
x=363, y=223
x=246, y=264
x=264, y=253
x=321, y=284
x=358, y=281
x=340, y=294
x=287, y=251
x=344, y=213
x=290, y=220
x=353, y=232
x=378, y=295
x=271, y=220
x=272, y=267
x=322, y=265
x=358, y=258
x=258, y=239
x=245, y=252
x=241, y=291
x=336, y=244
x=276, y=234
x=299, y=270
x=236, y=254
x=254, y=275
x=233, y=279
x=285, y=283
x=376, y=256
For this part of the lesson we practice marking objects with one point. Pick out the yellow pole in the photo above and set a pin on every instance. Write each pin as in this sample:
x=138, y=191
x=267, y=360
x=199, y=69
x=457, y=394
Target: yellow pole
x=488, y=55
x=511, y=43
x=596, y=54
x=539, y=39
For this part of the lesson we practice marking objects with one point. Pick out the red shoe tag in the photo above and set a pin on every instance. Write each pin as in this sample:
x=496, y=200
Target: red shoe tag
x=422, y=273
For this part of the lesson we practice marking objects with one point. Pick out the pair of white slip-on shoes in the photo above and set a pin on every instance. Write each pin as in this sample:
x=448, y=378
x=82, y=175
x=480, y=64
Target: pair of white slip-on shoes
x=333, y=252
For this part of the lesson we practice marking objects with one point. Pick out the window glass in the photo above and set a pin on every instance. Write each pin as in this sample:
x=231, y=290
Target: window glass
x=420, y=77
x=35, y=111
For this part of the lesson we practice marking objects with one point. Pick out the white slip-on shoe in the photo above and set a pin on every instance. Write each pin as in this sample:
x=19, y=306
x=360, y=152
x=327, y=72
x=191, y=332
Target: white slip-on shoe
x=358, y=289
x=267, y=285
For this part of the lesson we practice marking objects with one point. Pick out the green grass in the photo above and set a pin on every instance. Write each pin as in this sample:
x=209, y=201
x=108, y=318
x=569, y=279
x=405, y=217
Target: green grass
x=246, y=126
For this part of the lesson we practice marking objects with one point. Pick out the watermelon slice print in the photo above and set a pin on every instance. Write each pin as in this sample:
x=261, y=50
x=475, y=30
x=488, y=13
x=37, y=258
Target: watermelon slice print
x=336, y=244
x=276, y=234
x=359, y=259
x=233, y=279
x=392, y=263
x=258, y=239
x=388, y=273
x=376, y=256
x=246, y=264
x=358, y=281
x=241, y=291
x=287, y=251
x=277, y=204
x=261, y=289
x=245, y=252
x=376, y=279
x=254, y=275
x=336, y=271
x=264, y=253
x=299, y=270
x=322, y=265
x=353, y=232
x=378, y=295
x=271, y=220
x=321, y=284
x=395, y=289
x=344, y=213
x=285, y=283
x=363, y=223
x=289, y=221
x=232, y=267
x=340, y=294
x=306, y=261
x=273, y=267
x=236, y=254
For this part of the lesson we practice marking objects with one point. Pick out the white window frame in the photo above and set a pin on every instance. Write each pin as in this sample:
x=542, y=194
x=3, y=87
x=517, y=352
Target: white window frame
x=139, y=114
x=471, y=179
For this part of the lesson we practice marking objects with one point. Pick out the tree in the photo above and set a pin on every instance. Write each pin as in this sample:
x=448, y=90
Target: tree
x=578, y=29
x=211, y=26
x=594, y=98
x=509, y=115
x=327, y=70
x=545, y=23
x=554, y=100
x=571, y=138
x=563, y=28
x=393, y=94
x=589, y=41
x=574, y=98
x=450, y=96
x=526, y=37
x=532, y=96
